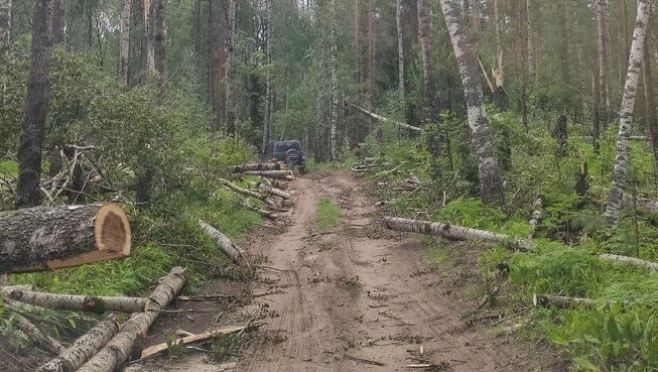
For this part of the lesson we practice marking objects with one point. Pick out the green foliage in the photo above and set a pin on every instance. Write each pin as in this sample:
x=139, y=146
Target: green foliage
x=328, y=214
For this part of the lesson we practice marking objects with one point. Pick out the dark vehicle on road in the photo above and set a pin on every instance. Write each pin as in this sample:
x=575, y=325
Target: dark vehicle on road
x=290, y=152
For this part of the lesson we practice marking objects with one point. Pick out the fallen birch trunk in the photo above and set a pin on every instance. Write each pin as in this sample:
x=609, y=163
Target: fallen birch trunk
x=537, y=213
x=561, y=301
x=274, y=191
x=262, y=212
x=120, y=348
x=257, y=167
x=456, y=232
x=235, y=188
x=279, y=184
x=42, y=238
x=35, y=334
x=231, y=249
x=96, y=304
x=383, y=119
x=154, y=350
x=83, y=348
x=275, y=174
x=630, y=260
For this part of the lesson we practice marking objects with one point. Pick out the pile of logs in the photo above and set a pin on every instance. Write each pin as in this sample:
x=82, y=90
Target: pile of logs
x=269, y=189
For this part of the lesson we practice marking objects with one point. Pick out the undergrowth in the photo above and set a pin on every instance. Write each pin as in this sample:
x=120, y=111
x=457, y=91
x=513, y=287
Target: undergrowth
x=328, y=214
x=619, y=332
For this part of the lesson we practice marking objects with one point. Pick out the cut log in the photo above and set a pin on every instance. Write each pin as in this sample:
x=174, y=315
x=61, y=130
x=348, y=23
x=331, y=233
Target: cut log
x=274, y=174
x=561, y=301
x=233, y=187
x=383, y=119
x=456, y=232
x=83, y=348
x=537, y=213
x=262, y=212
x=274, y=191
x=78, y=302
x=231, y=249
x=279, y=184
x=153, y=350
x=257, y=167
x=42, y=238
x=123, y=345
x=630, y=260
x=35, y=334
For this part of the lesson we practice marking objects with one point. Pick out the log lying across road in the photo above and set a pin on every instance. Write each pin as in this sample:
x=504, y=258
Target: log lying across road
x=96, y=304
x=257, y=167
x=120, y=348
x=42, y=238
x=83, y=348
x=456, y=232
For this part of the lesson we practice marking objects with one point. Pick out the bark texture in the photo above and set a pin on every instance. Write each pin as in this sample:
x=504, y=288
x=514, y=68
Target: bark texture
x=602, y=45
x=626, y=115
x=83, y=348
x=319, y=98
x=33, y=129
x=257, y=167
x=276, y=174
x=231, y=249
x=124, y=41
x=160, y=41
x=118, y=351
x=231, y=75
x=430, y=91
x=334, y=82
x=96, y=304
x=43, y=237
x=5, y=25
x=491, y=183
x=456, y=232
x=399, y=25
x=35, y=334
x=233, y=187
x=561, y=301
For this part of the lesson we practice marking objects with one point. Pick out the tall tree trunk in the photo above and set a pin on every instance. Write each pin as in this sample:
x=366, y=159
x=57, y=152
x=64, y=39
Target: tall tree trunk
x=59, y=21
x=500, y=96
x=491, y=184
x=626, y=114
x=34, y=118
x=320, y=118
x=372, y=73
x=269, y=104
x=430, y=92
x=148, y=31
x=160, y=41
x=650, y=105
x=334, y=82
x=398, y=23
x=124, y=41
x=231, y=75
x=5, y=26
x=564, y=42
x=596, y=108
x=357, y=39
x=602, y=92
x=530, y=42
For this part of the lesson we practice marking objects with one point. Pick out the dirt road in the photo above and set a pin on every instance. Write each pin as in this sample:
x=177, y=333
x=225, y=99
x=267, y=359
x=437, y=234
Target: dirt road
x=361, y=298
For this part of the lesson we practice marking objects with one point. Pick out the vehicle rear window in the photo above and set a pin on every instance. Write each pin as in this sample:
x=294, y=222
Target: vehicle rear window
x=285, y=146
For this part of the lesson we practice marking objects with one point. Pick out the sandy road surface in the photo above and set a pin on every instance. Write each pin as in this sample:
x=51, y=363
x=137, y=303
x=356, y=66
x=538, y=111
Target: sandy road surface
x=347, y=302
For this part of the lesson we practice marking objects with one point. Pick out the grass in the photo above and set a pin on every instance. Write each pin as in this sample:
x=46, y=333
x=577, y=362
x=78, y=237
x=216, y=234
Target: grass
x=328, y=214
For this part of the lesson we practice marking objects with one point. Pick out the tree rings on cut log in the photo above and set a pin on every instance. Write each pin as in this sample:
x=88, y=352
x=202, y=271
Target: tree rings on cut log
x=42, y=238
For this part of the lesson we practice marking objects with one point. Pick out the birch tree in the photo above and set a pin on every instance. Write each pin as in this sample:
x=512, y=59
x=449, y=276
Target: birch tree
x=626, y=114
x=398, y=23
x=491, y=184
x=33, y=130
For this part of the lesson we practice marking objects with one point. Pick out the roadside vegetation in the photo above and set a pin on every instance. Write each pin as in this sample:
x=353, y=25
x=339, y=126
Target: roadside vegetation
x=618, y=331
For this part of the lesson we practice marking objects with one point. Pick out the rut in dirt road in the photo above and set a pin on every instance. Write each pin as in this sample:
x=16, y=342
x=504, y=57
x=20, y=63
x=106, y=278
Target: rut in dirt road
x=346, y=301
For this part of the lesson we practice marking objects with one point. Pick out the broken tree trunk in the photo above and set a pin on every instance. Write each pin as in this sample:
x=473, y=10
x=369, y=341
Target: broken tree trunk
x=263, y=212
x=274, y=191
x=154, y=350
x=78, y=302
x=257, y=167
x=83, y=348
x=561, y=301
x=35, y=334
x=233, y=187
x=630, y=260
x=275, y=174
x=223, y=241
x=456, y=232
x=383, y=119
x=42, y=238
x=123, y=345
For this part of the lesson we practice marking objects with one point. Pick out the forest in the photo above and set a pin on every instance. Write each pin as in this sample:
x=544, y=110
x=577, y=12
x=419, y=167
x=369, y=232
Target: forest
x=518, y=138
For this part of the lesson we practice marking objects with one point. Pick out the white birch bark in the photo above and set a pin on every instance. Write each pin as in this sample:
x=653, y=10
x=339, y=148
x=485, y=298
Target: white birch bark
x=124, y=41
x=491, y=184
x=626, y=115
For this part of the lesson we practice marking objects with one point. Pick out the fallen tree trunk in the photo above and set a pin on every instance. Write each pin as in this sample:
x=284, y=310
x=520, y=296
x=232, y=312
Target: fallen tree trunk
x=233, y=187
x=381, y=118
x=279, y=184
x=257, y=167
x=561, y=301
x=262, y=212
x=274, y=191
x=275, y=174
x=96, y=304
x=630, y=260
x=83, y=348
x=537, y=213
x=127, y=342
x=456, y=232
x=42, y=238
x=35, y=334
x=223, y=241
x=154, y=350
